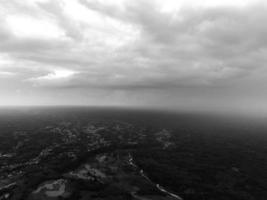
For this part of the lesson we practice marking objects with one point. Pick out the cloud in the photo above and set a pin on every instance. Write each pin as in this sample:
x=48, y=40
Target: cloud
x=6, y=74
x=53, y=78
x=133, y=45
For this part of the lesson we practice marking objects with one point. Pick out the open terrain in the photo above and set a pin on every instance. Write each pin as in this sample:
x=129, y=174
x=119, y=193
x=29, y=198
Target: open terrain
x=86, y=153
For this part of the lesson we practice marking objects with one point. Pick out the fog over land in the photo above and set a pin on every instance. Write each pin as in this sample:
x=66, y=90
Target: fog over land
x=198, y=55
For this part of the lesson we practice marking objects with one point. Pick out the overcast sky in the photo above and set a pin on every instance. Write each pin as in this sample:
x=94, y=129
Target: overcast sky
x=203, y=54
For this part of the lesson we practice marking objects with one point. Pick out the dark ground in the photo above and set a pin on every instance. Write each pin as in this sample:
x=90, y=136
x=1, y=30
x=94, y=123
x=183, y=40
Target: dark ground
x=207, y=156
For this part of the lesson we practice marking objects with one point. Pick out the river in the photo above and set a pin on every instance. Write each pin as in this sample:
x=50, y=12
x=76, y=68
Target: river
x=162, y=189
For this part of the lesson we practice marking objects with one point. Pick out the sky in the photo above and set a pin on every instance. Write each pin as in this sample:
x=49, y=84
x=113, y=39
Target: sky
x=173, y=54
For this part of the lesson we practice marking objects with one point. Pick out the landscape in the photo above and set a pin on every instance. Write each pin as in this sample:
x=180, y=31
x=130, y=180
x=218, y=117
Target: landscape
x=110, y=153
x=133, y=100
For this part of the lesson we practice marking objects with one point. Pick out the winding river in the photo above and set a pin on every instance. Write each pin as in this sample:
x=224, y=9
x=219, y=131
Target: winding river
x=141, y=171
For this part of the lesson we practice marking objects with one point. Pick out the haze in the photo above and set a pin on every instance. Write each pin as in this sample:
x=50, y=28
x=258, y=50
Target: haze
x=198, y=55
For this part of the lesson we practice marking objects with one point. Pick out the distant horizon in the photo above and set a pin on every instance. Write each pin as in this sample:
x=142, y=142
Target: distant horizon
x=225, y=113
